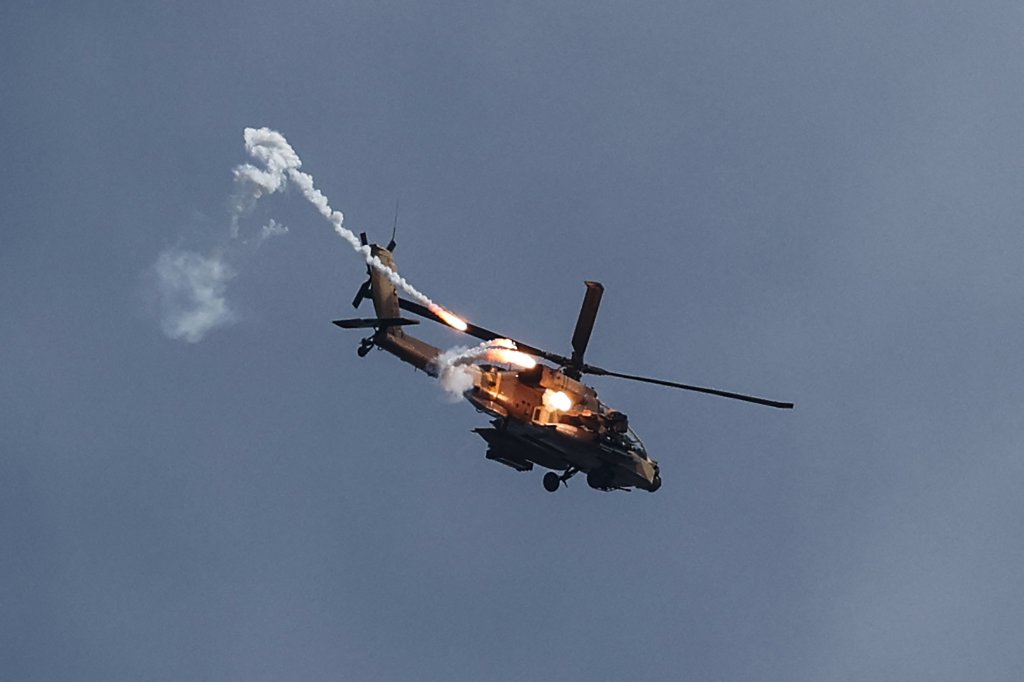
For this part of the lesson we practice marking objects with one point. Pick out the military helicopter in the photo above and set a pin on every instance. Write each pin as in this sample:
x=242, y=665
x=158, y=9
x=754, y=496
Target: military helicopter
x=541, y=415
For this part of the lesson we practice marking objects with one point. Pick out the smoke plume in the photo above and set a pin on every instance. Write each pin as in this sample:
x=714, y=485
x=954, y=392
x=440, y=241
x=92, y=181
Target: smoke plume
x=191, y=285
x=271, y=229
x=456, y=368
x=191, y=288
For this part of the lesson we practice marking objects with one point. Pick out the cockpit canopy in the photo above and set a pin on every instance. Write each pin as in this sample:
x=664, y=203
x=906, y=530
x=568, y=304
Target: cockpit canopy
x=625, y=432
x=635, y=443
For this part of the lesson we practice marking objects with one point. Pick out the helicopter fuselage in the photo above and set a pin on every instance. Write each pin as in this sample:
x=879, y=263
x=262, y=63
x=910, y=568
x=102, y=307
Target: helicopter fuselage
x=540, y=416
x=544, y=417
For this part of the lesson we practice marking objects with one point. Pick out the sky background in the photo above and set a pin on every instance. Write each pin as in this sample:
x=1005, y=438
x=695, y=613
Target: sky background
x=815, y=202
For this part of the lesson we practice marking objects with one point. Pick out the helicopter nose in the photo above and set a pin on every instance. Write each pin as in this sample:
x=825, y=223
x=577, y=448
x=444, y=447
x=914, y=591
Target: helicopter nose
x=656, y=479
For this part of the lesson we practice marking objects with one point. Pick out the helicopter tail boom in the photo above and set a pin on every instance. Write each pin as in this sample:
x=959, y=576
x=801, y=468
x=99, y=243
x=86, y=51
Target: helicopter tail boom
x=389, y=335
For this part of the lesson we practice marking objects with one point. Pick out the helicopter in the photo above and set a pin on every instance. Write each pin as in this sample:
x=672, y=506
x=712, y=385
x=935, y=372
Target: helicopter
x=540, y=415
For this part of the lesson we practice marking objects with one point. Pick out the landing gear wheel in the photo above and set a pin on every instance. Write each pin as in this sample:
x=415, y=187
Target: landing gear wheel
x=552, y=481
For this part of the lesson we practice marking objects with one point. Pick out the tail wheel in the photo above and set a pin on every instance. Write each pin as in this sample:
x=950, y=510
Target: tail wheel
x=365, y=346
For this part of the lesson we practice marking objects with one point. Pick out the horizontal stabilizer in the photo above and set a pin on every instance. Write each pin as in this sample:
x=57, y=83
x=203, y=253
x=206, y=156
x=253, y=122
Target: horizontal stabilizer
x=374, y=322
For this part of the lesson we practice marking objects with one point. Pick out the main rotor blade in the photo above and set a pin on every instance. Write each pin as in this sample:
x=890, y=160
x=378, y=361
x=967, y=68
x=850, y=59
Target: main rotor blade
x=481, y=333
x=589, y=369
x=488, y=335
x=585, y=321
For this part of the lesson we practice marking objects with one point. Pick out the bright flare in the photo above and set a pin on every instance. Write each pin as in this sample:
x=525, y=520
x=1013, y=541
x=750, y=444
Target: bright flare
x=449, y=318
x=557, y=400
x=510, y=357
x=504, y=351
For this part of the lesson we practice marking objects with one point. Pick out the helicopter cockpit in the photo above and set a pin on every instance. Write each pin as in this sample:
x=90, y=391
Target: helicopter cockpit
x=620, y=432
x=635, y=444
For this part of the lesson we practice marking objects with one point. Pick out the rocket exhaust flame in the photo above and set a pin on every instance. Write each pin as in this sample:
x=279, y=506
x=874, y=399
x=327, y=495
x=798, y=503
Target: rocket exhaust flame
x=449, y=318
x=510, y=357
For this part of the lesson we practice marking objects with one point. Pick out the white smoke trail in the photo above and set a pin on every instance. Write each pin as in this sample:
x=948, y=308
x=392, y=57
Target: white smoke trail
x=281, y=164
x=191, y=286
x=465, y=354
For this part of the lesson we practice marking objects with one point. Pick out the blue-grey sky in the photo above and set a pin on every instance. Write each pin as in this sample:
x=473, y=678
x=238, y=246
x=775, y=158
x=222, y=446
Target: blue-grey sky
x=809, y=201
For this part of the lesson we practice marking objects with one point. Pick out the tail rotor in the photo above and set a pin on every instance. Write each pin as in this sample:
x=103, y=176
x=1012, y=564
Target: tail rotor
x=364, y=289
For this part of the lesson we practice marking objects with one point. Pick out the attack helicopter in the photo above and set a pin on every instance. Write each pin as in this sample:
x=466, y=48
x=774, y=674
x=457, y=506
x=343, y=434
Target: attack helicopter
x=540, y=415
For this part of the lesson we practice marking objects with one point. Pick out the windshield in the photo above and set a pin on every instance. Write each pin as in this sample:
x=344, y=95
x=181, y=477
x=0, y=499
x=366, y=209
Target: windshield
x=635, y=443
x=629, y=438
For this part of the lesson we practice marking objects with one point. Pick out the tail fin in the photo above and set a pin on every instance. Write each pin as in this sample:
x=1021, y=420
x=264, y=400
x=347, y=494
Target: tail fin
x=388, y=333
x=382, y=290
